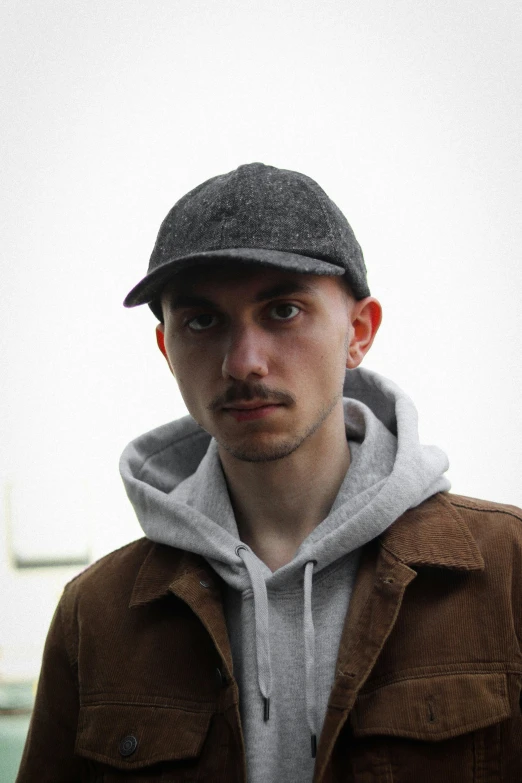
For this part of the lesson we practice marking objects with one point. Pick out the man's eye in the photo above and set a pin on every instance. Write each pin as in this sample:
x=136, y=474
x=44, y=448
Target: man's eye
x=201, y=322
x=284, y=312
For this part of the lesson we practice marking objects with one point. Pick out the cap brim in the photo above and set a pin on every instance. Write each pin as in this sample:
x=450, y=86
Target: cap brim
x=150, y=287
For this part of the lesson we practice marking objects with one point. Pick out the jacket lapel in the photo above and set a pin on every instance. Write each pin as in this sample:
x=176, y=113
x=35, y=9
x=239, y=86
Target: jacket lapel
x=432, y=534
x=190, y=578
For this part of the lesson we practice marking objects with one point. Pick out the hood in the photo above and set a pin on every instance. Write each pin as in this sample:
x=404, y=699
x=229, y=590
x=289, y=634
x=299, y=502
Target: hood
x=174, y=480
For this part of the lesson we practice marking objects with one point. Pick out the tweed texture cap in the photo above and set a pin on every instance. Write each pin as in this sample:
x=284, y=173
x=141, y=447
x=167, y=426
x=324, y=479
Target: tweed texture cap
x=256, y=214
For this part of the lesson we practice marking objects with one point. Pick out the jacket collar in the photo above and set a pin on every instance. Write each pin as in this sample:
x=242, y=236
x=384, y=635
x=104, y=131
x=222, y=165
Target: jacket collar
x=165, y=568
x=434, y=534
x=169, y=570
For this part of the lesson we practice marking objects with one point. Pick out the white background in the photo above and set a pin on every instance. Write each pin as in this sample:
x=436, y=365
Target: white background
x=408, y=114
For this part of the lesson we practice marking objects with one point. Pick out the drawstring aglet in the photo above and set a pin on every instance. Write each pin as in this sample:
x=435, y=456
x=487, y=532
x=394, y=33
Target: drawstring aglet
x=314, y=745
x=266, y=708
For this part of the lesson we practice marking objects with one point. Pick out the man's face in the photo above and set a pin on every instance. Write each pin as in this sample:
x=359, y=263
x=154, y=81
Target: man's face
x=259, y=354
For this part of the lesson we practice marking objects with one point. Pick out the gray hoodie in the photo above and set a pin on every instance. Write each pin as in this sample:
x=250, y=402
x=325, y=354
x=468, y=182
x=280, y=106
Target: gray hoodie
x=285, y=626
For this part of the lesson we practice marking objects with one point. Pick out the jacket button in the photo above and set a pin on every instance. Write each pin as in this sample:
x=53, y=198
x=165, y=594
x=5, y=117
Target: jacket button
x=128, y=745
x=221, y=680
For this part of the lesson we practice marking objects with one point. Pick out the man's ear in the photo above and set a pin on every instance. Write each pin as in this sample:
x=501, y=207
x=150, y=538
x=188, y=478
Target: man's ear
x=366, y=317
x=160, y=339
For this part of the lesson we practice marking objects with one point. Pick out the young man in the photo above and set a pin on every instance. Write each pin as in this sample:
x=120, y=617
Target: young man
x=309, y=603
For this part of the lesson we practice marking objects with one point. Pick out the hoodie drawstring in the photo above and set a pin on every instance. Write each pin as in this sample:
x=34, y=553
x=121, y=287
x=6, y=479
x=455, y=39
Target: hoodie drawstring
x=264, y=669
x=309, y=649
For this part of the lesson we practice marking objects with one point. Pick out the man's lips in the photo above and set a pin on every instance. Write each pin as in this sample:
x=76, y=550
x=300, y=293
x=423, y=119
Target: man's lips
x=247, y=406
x=246, y=411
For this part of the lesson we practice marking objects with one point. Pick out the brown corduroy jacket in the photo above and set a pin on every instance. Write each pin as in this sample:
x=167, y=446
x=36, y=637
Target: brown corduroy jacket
x=137, y=681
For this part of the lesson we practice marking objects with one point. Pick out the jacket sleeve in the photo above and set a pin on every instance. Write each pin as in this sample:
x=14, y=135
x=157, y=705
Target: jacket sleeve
x=48, y=755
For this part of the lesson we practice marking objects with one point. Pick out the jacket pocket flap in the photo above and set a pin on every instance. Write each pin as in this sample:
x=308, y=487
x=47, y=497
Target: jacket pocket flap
x=432, y=708
x=130, y=736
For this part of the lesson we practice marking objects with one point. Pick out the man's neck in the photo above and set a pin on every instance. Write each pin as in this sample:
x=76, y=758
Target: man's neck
x=278, y=503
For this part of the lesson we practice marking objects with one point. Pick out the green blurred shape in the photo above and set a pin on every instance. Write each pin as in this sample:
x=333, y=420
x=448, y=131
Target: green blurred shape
x=16, y=695
x=16, y=702
x=13, y=731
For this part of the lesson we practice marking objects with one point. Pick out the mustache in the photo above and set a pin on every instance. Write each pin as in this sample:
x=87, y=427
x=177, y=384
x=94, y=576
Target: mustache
x=246, y=392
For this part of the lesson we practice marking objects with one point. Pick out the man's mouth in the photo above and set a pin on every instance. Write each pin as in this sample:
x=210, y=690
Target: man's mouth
x=246, y=411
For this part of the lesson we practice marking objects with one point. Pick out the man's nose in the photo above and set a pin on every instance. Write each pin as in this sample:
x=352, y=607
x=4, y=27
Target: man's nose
x=245, y=354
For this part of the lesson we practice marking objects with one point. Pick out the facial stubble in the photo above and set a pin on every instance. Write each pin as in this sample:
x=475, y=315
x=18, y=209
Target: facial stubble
x=257, y=452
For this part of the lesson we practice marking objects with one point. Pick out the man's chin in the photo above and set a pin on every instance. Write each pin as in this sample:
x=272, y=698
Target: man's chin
x=267, y=452
x=269, y=445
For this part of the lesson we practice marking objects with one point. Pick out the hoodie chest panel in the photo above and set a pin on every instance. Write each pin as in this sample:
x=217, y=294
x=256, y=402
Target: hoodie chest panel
x=279, y=749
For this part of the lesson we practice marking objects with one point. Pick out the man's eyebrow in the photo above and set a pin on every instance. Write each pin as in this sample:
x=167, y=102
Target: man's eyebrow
x=284, y=289
x=178, y=301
